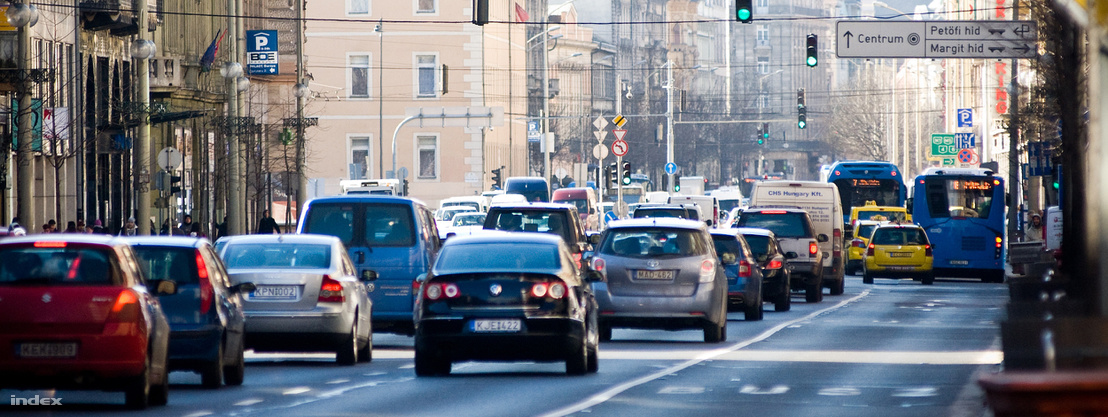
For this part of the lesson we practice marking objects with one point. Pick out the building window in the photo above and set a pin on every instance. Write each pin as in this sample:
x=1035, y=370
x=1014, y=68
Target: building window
x=359, y=75
x=763, y=65
x=359, y=7
x=762, y=3
x=428, y=149
x=426, y=6
x=359, y=157
x=763, y=32
x=425, y=75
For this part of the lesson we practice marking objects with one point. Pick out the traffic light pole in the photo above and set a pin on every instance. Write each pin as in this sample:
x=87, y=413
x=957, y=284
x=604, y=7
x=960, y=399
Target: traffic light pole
x=669, y=120
x=619, y=189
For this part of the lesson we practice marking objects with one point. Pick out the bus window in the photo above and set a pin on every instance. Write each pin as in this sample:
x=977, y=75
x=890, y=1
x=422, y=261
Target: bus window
x=959, y=197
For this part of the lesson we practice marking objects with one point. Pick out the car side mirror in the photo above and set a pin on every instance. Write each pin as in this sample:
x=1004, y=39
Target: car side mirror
x=369, y=275
x=791, y=255
x=728, y=258
x=246, y=287
x=593, y=276
x=164, y=286
x=594, y=239
x=822, y=238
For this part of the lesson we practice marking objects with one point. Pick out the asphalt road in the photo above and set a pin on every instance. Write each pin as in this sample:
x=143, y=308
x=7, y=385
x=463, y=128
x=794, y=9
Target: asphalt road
x=895, y=348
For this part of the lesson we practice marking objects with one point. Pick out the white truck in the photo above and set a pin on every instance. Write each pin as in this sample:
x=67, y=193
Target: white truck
x=821, y=201
x=691, y=185
x=371, y=186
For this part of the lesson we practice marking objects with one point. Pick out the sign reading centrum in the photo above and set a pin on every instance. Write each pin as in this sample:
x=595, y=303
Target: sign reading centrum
x=936, y=39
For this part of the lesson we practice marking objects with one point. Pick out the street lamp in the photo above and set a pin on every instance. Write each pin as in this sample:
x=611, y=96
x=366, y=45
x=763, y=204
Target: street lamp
x=24, y=16
x=232, y=71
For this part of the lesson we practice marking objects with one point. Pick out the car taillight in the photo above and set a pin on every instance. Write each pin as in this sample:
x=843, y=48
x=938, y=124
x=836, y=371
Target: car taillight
x=870, y=251
x=126, y=308
x=330, y=291
x=206, y=291
x=435, y=291
x=555, y=290
x=598, y=265
x=707, y=271
x=999, y=246
x=813, y=248
x=775, y=264
x=744, y=269
x=927, y=250
x=577, y=259
x=857, y=243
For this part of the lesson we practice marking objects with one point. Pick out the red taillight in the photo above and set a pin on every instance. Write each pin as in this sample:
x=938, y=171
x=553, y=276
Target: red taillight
x=775, y=264
x=49, y=244
x=330, y=291
x=813, y=248
x=206, y=291
x=435, y=291
x=450, y=290
x=773, y=211
x=870, y=252
x=893, y=173
x=598, y=265
x=539, y=290
x=126, y=308
x=857, y=243
x=708, y=266
x=73, y=269
x=744, y=269
x=999, y=240
x=577, y=260
x=927, y=250
x=555, y=290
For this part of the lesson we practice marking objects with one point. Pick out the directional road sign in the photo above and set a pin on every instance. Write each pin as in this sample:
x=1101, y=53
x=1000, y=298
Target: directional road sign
x=937, y=39
x=671, y=168
x=942, y=144
x=619, y=147
x=965, y=140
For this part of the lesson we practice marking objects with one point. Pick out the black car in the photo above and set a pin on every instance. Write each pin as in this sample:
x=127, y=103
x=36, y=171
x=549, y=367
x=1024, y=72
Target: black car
x=205, y=315
x=774, y=263
x=558, y=219
x=506, y=297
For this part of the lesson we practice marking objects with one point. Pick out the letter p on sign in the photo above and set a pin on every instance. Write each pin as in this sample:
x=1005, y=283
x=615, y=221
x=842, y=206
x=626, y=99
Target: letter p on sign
x=260, y=43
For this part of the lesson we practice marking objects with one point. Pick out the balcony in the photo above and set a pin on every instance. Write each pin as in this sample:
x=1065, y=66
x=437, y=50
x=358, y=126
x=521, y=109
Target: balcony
x=117, y=16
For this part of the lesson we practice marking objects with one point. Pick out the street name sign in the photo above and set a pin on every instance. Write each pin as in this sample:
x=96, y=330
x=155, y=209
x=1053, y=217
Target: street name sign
x=936, y=39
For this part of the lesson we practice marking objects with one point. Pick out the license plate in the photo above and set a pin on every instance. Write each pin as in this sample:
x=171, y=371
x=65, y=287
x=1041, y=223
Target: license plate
x=276, y=292
x=901, y=268
x=495, y=326
x=900, y=254
x=956, y=262
x=48, y=350
x=658, y=275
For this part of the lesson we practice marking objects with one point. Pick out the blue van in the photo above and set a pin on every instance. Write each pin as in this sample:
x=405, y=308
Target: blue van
x=535, y=189
x=393, y=236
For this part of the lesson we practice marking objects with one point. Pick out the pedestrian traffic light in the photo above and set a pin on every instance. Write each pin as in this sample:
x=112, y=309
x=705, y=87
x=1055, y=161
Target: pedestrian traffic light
x=613, y=175
x=480, y=12
x=744, y=11
x=626, y=177
x=174, y=184
x=812, y=59
x=496, y=178
x=676, y=183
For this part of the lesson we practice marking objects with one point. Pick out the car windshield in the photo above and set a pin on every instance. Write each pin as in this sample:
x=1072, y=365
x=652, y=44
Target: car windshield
x=531, y=221
x=277, y=256
x=505, y=256
x=581, y=204
x=166, y=262
x=784, y=225
x=661, y=212
x=63, y=265
x=899, y=236
x=654, y=242
x=466, y=219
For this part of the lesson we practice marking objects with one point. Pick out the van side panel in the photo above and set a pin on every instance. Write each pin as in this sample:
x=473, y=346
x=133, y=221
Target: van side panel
x=821, y=201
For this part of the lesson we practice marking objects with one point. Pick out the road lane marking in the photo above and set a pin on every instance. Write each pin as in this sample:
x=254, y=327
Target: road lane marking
x=338, y=381
x=973, y=357
x=916, y=392
x=199, y=414
x=673, y=389
x=840, y=392
x=754, y=390
x=610, y=393
x=295, y=391
x=249, y=402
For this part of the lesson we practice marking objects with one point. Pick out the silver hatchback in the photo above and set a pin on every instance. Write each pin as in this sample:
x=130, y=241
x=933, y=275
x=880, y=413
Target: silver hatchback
x=660, y=273
x=307, y=296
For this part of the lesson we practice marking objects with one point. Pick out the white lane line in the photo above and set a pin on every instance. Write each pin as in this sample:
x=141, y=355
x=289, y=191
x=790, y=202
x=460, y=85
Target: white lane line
x=295, y=391
x=199, y=414
x=618, y=389
x=338, y=381
x=249, y=402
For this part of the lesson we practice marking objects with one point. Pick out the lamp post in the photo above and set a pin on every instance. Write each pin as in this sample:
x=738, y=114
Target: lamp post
x=232, y=71
x=24, y=16
x=142, y=50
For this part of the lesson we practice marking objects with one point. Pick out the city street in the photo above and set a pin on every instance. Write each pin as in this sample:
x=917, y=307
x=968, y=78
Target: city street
x=895, y=348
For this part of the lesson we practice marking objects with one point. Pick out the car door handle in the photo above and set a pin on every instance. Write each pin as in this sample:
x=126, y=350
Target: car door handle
x=361, y=257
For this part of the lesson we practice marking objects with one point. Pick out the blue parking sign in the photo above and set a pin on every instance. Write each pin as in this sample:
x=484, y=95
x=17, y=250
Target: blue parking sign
x=261, y=52
x=965, y=117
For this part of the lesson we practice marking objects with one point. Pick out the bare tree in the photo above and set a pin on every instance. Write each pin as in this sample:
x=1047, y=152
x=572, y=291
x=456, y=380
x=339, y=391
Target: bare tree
x=59, y=134
x=859, y=124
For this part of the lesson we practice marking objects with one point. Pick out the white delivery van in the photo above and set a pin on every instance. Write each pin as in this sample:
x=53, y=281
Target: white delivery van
x=709, y=206
x=821, y=201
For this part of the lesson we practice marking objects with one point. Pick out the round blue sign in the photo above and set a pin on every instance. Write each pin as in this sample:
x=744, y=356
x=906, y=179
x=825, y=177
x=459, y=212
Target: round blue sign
x=671, y=168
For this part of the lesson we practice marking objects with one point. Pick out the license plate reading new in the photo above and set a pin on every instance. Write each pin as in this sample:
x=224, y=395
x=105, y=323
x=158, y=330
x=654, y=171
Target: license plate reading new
x=48, y=350
x=900, y=254
x=956, y=262
x=494, y=326
x=276, y=292
x=658, y=275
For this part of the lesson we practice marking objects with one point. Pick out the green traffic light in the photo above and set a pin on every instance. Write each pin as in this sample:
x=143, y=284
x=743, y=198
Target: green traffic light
x=626, y=181
x=761, y=141
x=676, y=188
x=811, y=61
x=801, y=124
x=743, y=14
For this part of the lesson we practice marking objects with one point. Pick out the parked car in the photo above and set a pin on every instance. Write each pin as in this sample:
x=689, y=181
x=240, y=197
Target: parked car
x=794, y=231
x=395, y=237
x=774, y=263
x=528, y=302
x=856, y=253
x=744, y=277
x=660, y=273
x=464, y=224
x=899, y=250
x=559, y=219
x=205, y=315
x=78, y=313
x=307, y=296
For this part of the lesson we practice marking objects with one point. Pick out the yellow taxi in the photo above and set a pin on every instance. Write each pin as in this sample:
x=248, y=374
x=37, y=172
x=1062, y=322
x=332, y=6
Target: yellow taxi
x=899, y=250
x=872, y=211
x=856, y=253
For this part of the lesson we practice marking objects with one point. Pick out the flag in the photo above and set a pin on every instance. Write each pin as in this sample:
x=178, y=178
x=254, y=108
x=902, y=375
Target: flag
x=521, y=14
x=208, y=59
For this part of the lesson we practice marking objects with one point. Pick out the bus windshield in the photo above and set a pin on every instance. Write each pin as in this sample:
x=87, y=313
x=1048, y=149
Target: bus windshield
x=959, y=197
x=857, y=191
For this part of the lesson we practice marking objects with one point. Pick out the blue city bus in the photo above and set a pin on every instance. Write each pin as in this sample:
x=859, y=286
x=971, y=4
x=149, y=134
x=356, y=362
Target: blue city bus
x=862, y=181
x=962, y=210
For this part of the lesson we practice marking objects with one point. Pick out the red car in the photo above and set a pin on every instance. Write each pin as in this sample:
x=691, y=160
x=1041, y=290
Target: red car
x=76, y=313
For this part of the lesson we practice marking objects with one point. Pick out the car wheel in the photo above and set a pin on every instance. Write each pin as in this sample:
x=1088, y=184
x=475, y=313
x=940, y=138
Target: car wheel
x=928, y=279
x=365, y=354
x=347, y=352
x=784, y=300
x=813, y=293
x=605, y=333
x=212, y=374
x=137, y=395
x=756, y=311
x=429, y=364
x=577, y=362
x=867, y=278
x=715, y=333
x=839, y=287
x=159, y=394
x=235, y=373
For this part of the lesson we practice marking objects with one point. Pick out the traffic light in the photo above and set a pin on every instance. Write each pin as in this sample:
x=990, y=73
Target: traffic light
x=758, y=137
x=480, y=12
x=765, y=134
x=812, y=59
x=676, y=183
x=496, y=178
x=800, y=98
x=744, y=11
x=174, y=184
x=626, y=178
x=406, y=192
x=613, y=175
x=801, y=110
